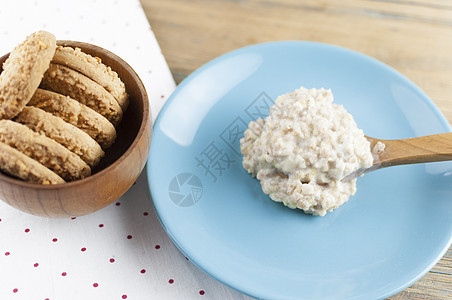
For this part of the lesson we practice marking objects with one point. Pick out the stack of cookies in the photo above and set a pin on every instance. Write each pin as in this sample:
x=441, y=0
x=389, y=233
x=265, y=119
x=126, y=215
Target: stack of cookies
x=58, y=111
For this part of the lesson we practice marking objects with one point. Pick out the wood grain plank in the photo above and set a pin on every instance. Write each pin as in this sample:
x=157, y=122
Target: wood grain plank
x=418, y=49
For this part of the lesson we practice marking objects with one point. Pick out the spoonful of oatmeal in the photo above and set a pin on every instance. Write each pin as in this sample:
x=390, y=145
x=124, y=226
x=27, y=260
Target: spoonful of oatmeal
x=308, y=152
x=424, y=149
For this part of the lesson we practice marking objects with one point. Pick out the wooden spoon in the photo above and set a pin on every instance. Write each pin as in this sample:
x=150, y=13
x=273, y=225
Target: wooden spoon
x=424, y=149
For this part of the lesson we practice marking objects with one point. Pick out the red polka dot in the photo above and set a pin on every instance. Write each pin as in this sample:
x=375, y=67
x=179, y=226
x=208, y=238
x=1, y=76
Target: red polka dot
x=83, y=249
x=124, y=296
x=171, y=281
x=54, y=240
x=0, y=220
x=118, y=203
x=7, y=253
x=143, y=271
x=95, y=284
x=36, y=265
x=145, y=213
x=101, y=225
x=162, y=96
x=27, y=230
x=112, y=260
x=157, y=246
x=46, y=299
x=129, y=237
x=73, y=218
x=63, y=274
x=201, y=292
x=15, y=290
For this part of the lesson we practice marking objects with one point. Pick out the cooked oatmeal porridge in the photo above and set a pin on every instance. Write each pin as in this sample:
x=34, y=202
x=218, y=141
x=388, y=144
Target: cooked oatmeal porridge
x=303, y=149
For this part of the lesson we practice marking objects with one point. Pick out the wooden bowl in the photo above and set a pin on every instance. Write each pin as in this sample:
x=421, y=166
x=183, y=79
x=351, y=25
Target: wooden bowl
x=116, y=173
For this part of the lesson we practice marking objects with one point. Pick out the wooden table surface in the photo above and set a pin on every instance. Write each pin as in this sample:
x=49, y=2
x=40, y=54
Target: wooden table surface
x=412, y=36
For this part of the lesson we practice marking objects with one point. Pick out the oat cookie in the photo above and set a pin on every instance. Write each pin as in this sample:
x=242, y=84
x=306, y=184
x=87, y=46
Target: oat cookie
x=44, y=150
x=93, y=68
x=23, y=71
x=62, y=132
x=76, y=114
x=17, y=164
x=65, y=81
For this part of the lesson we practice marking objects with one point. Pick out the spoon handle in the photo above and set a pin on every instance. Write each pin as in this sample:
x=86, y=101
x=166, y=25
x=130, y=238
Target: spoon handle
x=429, y=148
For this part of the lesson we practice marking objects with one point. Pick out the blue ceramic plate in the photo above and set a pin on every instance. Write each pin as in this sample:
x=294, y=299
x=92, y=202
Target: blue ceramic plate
x=390, y=233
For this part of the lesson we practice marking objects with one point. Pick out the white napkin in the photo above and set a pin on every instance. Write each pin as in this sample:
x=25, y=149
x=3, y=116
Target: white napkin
x=120, y=252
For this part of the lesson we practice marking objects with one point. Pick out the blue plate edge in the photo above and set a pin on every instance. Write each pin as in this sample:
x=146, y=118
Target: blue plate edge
x=189, y=78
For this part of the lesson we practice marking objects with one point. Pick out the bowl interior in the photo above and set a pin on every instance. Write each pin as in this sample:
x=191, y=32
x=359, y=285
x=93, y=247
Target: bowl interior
x=134, y=117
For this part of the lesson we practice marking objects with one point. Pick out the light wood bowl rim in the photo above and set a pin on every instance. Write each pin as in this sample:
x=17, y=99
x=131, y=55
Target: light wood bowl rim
x=142, y=130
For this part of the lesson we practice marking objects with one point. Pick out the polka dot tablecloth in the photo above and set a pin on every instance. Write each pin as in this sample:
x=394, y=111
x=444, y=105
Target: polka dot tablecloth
x=120, y=252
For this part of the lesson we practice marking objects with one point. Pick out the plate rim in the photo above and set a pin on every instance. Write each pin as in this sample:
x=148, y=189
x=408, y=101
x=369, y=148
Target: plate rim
x=283, y=43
